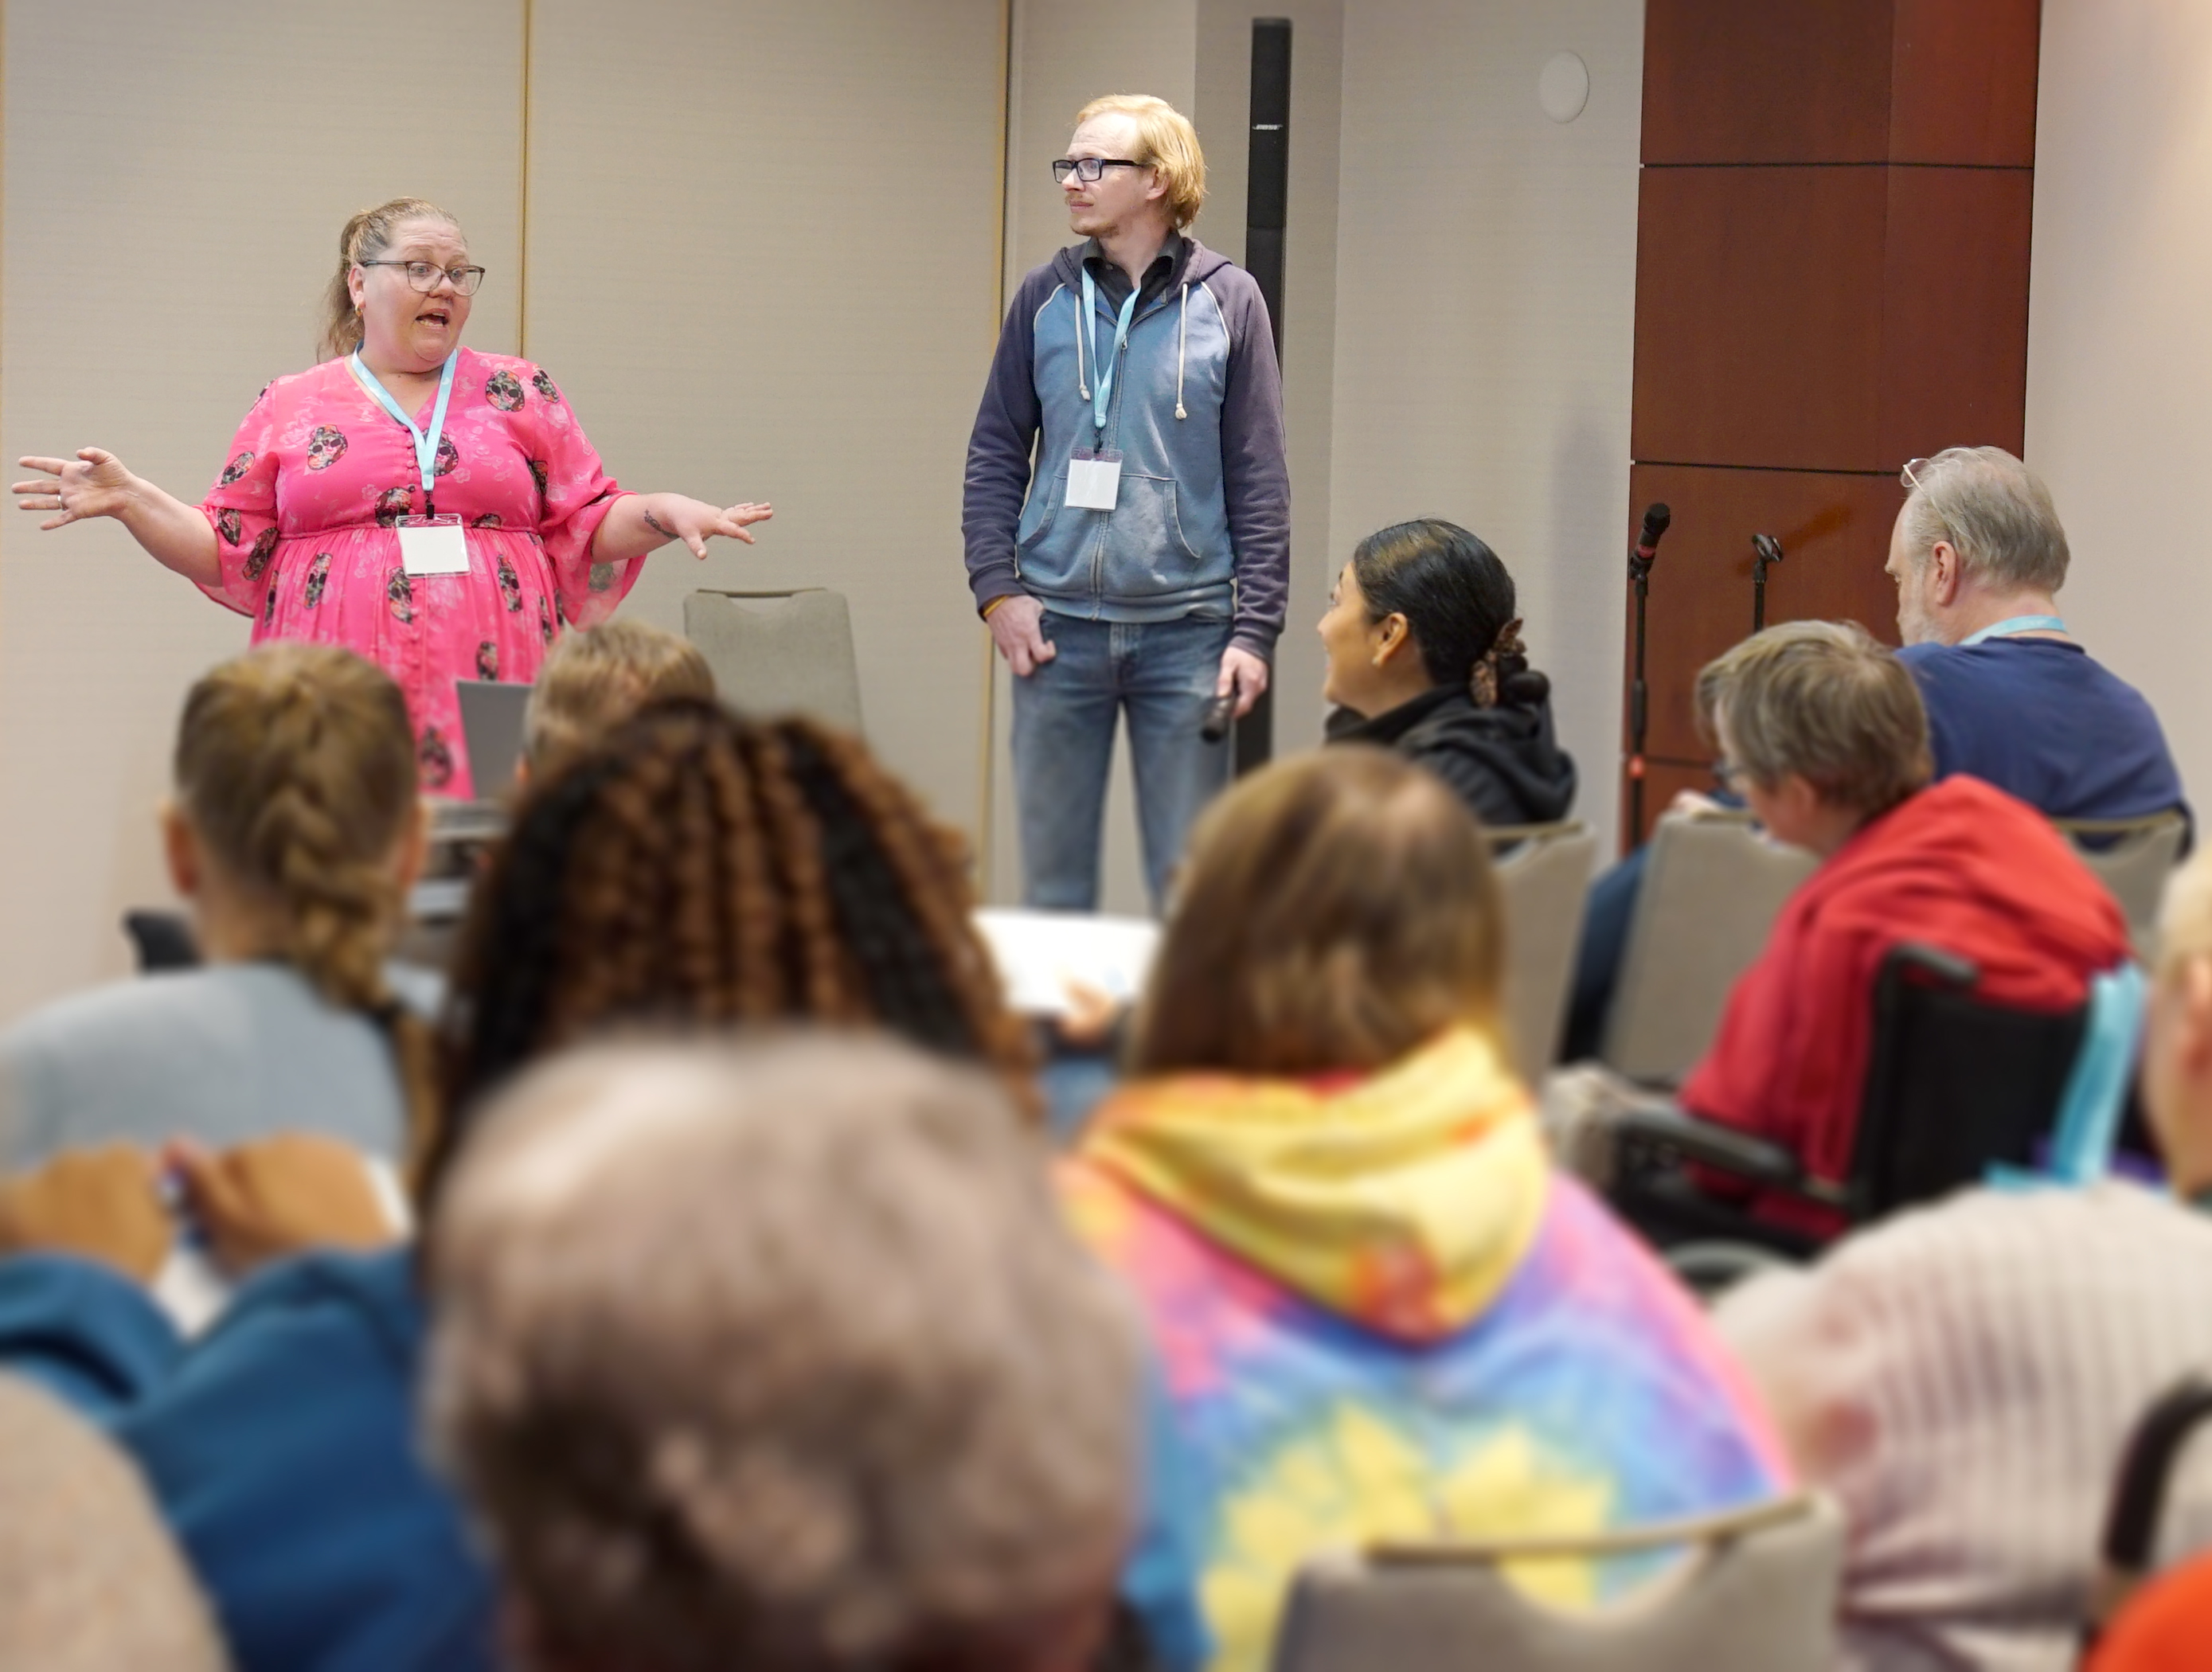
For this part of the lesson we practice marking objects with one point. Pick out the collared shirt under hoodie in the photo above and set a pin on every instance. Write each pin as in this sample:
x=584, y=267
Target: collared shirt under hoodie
x=1379, y=1312
x=1502, y=761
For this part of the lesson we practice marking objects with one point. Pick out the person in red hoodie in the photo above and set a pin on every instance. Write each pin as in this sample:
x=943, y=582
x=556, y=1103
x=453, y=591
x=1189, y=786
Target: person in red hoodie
x=1821, y=731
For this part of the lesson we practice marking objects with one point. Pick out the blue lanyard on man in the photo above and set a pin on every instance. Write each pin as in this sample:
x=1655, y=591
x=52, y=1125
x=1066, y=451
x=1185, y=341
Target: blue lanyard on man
x=2007, y=628
x=426, y=445
x=1102, y=377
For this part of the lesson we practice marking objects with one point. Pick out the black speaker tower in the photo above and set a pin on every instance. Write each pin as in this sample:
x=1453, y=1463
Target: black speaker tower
x=1267, y=207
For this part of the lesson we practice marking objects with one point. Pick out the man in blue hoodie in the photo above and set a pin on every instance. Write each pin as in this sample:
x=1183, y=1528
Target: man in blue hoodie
x=1142, y=562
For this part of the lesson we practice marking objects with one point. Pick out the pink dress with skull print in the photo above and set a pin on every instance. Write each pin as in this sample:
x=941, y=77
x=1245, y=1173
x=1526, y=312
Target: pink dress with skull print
x=304, y=516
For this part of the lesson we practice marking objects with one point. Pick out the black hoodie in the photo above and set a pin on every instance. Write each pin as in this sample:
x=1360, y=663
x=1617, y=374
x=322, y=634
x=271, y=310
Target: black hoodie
x=1503, y=762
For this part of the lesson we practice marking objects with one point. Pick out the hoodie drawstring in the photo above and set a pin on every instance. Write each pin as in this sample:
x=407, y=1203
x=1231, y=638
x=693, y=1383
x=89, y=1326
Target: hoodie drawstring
x=1082, y=388
x=1182, y=336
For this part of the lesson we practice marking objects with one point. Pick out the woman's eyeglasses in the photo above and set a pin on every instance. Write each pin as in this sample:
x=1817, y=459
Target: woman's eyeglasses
x=1088, y=169
x=424, y=276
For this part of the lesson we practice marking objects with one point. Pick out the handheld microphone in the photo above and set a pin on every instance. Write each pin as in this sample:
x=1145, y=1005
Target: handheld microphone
x=1657, y=518
x=1218, y=714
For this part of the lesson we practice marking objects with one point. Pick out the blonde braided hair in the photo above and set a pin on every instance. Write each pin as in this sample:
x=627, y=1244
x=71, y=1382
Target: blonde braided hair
x=295, y=768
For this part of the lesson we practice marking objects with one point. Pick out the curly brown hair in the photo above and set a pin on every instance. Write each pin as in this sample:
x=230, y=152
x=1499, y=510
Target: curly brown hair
x=696, y=867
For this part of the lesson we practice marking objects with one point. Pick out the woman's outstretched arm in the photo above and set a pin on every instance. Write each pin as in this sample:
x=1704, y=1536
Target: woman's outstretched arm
x=96, y=483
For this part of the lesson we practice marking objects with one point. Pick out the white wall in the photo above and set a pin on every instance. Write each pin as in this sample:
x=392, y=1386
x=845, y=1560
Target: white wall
x=763, y=250
x=1062, y=57
x=176, y=177
x=1485, y=317
x=764, y=245
x=2119, y=356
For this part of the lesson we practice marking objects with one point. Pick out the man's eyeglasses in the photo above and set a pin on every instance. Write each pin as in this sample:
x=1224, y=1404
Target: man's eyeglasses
x=1088, y=169
x=1910, y=474
x=424, y=276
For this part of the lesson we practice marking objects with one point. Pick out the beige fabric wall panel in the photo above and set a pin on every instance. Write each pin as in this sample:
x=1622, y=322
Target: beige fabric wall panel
x=764, y=250
x=176, y=180
x=2120, y=343
x=1063, y=58
x=1486, y=313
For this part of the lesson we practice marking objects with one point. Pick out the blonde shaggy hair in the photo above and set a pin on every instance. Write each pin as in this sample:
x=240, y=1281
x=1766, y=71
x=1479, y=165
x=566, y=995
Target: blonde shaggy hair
x=1167, y=141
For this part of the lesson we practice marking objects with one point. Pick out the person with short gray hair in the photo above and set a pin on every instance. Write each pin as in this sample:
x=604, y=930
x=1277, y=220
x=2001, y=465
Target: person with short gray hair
x=780, y=1355
x=1820, y=730
x=1979, y=555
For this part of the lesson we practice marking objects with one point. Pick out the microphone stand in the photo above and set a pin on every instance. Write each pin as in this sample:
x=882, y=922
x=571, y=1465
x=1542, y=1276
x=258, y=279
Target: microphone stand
x=1766, y=551
x=1639, y=695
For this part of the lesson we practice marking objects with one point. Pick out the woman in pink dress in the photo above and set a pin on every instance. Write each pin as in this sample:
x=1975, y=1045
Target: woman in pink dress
x=338, y=519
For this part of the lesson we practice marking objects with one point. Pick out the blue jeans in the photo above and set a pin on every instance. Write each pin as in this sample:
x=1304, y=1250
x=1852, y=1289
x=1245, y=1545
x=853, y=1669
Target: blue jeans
x=1163, y=674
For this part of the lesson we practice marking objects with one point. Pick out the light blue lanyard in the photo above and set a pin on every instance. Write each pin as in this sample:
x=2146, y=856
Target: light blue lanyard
x=1102, y=377
x=2005, y=629
x=425, y=446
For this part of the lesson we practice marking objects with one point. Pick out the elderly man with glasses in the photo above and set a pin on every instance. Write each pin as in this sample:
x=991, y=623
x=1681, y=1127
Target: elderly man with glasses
x=1128, y=504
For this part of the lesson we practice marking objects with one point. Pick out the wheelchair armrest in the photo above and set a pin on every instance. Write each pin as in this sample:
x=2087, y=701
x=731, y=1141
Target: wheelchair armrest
x=1669, y=1128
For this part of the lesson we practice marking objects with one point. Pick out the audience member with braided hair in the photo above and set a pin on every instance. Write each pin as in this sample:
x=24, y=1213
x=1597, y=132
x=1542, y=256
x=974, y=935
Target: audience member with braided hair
x=294, y=831
x=691, y=869
x=1425, y=658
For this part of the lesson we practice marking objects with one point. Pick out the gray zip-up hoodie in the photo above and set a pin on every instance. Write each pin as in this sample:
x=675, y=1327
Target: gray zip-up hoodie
x=1201, y=524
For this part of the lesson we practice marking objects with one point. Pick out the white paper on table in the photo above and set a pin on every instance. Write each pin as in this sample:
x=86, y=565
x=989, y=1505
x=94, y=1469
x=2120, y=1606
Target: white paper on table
x=193, y=1290
x=1039, y=952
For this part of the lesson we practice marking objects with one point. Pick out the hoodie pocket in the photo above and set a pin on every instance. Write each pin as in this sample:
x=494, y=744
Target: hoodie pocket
x=1046, y=508
x=1146, y=555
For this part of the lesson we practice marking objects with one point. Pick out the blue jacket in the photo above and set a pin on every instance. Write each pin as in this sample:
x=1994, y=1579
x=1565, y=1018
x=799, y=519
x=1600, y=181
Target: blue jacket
x=281, y=1449
x=1202, y=524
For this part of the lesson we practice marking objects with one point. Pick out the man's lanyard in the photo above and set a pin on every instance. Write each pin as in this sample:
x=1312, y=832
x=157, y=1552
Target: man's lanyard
x=1102, y=377
x=2005, y=629
x=425, y=446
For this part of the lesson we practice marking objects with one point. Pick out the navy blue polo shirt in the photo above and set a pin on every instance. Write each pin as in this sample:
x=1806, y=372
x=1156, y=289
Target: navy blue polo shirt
x=2042, y=720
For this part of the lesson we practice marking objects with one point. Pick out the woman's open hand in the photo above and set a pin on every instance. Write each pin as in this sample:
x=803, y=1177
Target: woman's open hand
x=95, y=483
x=100, y=1204
x=695, y=522
x=262, y=1201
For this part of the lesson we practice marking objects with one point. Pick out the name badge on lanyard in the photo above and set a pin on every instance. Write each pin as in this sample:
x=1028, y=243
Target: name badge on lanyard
x=428, y=544
x=1094, y=474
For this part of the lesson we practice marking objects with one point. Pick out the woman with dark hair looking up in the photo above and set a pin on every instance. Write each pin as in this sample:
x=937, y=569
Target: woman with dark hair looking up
x=1425, y=658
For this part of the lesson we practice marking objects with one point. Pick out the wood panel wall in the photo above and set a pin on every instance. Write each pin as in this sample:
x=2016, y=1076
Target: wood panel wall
x=1831, y=278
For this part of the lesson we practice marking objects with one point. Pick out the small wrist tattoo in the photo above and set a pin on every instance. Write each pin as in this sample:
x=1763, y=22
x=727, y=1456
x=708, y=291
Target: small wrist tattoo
x=658, y=528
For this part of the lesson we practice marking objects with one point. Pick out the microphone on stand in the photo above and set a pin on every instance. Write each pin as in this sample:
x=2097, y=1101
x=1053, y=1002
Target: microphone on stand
x=1766, y=551
x=1657, y=518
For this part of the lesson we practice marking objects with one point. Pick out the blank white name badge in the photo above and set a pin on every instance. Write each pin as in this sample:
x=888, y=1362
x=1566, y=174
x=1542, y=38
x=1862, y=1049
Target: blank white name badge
x=433, y=545
x=1094, y=481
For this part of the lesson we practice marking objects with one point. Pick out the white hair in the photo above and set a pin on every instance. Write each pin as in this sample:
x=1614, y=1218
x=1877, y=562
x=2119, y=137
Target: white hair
x=1994, y=512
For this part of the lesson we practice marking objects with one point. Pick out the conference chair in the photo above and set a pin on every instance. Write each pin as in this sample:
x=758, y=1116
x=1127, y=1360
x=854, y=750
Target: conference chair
x=2132, y=857
x=2128, y=1551
x=1544, y=873
x=162, y=941
x=1754, y=1589
x=1713, y=888
x=779, y=653
x=1954, y=1086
